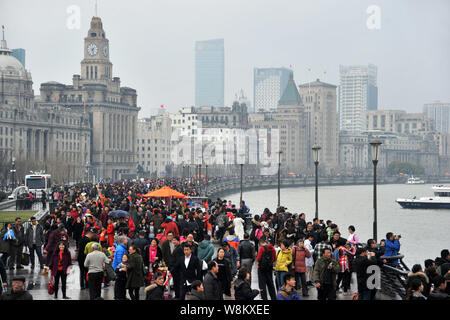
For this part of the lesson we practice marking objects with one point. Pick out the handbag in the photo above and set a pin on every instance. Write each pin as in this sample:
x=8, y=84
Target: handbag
x=51, y=287
x=25, y=258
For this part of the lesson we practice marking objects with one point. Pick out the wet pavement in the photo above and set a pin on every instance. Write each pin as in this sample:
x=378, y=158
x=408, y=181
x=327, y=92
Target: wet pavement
x=37, y=284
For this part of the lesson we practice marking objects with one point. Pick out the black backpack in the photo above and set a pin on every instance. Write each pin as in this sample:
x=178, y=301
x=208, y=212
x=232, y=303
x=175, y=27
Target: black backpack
x=266, y=260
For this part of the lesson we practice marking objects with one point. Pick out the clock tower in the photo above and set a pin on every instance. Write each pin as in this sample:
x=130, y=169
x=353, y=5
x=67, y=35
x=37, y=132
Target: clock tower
x=96, y=67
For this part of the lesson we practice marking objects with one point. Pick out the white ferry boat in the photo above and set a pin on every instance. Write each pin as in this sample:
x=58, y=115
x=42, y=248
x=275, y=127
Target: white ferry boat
x=440, y=200
x=414, y=180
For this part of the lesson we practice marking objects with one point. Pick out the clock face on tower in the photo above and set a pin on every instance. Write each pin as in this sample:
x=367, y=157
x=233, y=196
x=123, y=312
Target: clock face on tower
x=92, y=49
x=105, y=51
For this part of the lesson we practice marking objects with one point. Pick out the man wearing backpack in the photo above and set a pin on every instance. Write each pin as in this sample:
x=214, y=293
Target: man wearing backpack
x=266, y=258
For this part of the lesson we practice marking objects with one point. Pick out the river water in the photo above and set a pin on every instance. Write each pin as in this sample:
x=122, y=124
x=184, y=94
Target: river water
x=424, y=232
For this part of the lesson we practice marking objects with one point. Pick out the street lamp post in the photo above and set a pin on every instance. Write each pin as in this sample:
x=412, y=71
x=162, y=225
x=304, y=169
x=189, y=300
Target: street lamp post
x=316, y=150
x=279, y=169
x=13, y=172
x=375, y=151
x=242, y=172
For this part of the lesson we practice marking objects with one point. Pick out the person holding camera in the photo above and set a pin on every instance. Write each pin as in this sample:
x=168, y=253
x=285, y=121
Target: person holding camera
x=325, y=273
x=392, y=247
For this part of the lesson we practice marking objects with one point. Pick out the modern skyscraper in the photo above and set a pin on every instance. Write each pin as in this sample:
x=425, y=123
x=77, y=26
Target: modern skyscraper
x=440, y=113
x=358, y=92
x=19, y=54
x=209, y=73
x=268, y=86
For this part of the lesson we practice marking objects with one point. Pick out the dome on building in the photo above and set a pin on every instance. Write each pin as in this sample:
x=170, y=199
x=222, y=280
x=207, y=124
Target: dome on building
x=9, y=65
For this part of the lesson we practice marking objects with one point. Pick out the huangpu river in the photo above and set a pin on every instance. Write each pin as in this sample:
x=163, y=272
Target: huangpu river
x=425, y=232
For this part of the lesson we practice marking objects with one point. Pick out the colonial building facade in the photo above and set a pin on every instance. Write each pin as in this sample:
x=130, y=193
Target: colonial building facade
x=320, y=103
x=154, y=145
x=112, y=110
x=49, y=138
x=291, y=123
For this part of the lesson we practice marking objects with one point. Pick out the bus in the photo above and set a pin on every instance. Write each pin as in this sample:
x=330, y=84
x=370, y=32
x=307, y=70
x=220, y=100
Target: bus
x=37, y=182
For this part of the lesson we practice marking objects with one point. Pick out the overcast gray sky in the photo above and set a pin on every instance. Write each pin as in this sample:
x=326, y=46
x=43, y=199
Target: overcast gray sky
x=152, y=44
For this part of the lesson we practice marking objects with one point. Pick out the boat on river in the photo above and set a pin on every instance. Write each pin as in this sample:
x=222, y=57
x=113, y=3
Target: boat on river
x=440, y=200
x=415, y=180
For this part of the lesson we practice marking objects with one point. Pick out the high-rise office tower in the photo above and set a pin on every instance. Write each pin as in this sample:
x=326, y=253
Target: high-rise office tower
x=19, y=54
x=358, y=92
x=209, y=73
x=440, y=113
x=268, y=86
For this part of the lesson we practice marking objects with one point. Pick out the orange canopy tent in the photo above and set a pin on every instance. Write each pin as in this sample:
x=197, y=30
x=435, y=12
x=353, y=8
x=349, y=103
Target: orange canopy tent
x=164, y=192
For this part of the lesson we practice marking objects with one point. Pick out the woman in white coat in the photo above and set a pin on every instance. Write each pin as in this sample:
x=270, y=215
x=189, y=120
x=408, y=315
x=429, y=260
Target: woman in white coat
x=309, y=262
x=239, y=227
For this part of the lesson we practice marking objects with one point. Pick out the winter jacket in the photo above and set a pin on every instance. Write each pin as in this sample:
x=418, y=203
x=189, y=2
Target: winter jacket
x=322, y=266
x=21, y=295
x=239, y=227
x=39, y=236
x=283, y=294
x=135, y=271
x=53, y=239
x=146, y=256
x=168, y=257
x=4, y=244
x=392, y=249
x=246, y=250
x=195, y=295
x=243, y=291
x=154, y=292
x=20, y=235
x=66, y=261
x=118, y=254
x=299, y=256
x=212, y=287
x=261, y=251
x=423, y=278
x=232, y=257
x=205, y=251
x=309, y=262
x=283, y=258
x=170, y=226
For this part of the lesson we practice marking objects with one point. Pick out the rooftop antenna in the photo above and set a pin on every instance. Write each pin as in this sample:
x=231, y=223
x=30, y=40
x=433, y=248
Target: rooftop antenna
x=3, y=32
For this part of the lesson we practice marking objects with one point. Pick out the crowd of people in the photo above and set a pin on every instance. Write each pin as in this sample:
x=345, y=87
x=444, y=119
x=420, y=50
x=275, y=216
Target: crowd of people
x=169, y=248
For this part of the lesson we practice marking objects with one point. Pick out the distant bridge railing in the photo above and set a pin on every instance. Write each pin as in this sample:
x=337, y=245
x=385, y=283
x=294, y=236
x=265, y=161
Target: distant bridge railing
x=227, y=185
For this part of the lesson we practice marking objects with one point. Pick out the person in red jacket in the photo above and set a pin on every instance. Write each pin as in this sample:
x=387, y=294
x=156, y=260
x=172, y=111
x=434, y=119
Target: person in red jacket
x=299, y=255
x=169, y=225
x=265, y=269
x=131, y=227
x=110, y=232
